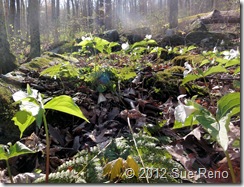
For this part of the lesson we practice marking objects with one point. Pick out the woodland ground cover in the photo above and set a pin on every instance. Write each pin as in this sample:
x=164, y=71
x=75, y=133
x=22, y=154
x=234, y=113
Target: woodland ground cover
x=138, y=116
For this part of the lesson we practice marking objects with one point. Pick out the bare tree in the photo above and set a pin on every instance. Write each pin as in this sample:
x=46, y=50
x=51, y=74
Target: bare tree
x=11, y=16
x=173, y=13
x=33, y=11
x=17, y=25
x=108, y=17
x=7, y=59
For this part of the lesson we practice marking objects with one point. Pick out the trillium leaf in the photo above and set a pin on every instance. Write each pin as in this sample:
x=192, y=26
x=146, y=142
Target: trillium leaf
x=227, y=103
x=65, y=104
x=23, y=119
x=14, y=150
x=214, y=70
x=190, y=77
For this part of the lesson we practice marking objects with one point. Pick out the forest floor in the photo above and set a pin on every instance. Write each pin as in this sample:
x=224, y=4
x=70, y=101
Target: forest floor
x=128, y=97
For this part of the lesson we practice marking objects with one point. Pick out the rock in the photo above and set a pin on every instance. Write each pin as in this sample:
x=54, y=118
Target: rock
x=174, y=40
x=137, y=35
x=111, y=35
x=207, y=39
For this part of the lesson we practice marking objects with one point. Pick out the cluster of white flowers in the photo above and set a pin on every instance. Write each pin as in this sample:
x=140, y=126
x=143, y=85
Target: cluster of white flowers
x=231, y=54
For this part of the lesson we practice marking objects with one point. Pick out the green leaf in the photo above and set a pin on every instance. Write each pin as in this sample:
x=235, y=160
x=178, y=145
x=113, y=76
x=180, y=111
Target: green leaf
x=190, y=77
x=208, y=122
x=205, y=61
x=227, y=103
x=52, y=71
x=14, y=150
x=144, y=43
x=191, y=47
x=23, y=119
x=221, y=61
x=190, y=120
x=213, y=70
x=65, y=104
x=238, y=69
x=233, y=62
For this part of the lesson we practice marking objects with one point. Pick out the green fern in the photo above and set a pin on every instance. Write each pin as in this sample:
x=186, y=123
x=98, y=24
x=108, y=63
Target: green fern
x=68, y=176
x=87, y=167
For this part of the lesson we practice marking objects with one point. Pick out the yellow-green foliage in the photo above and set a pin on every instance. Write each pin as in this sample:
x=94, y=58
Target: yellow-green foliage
x=180, y=60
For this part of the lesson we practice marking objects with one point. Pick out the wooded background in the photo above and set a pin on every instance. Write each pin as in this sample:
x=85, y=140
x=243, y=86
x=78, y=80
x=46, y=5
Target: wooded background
x=72, y=16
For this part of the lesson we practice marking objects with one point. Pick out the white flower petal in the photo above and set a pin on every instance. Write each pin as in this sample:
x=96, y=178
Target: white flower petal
x=30, y=107
x=180, y=114
x=189, y=110
x=148, y=36
x=182, y=111
x=125, y=46
x=19, y=95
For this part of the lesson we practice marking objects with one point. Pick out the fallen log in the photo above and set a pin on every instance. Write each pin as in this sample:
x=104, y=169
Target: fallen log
x=216, y=16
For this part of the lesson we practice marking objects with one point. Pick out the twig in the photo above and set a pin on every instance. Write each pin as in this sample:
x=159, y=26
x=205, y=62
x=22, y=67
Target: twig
x=128, y=121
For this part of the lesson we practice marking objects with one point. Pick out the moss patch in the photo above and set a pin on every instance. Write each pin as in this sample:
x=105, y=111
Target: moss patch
x=8, y=131
x=165, y=83
x=38, y=63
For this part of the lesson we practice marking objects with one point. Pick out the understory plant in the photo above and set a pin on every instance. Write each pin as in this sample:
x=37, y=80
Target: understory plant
x=190, y=113
x=33, y=108
x=10, y=151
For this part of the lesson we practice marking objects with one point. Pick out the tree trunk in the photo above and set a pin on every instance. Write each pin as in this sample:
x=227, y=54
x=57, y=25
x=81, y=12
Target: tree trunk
x=17, y=25
x=53, y=11
x=11, y=17
x=90, y=12
x=68, y=9
x=101, y=14
x=7, y=59
x=33, y=9
x=173, y=13
x=108, y=17
x=56, y=22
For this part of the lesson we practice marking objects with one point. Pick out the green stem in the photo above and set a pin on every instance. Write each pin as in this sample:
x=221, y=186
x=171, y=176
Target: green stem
x=230, y=167
x=9, y=172
x=47, y=146
x=131, y=130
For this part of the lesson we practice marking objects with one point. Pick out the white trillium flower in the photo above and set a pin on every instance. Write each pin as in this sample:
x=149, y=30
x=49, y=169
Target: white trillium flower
x=19, y=95
x=188, y=69
x=86, y=38
x=125, y=46
x=231, y=54
x=181, y=51
x=215, y=50
x=182, y=111
x=31, y=107
x=148, y=36
x=170, y=49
